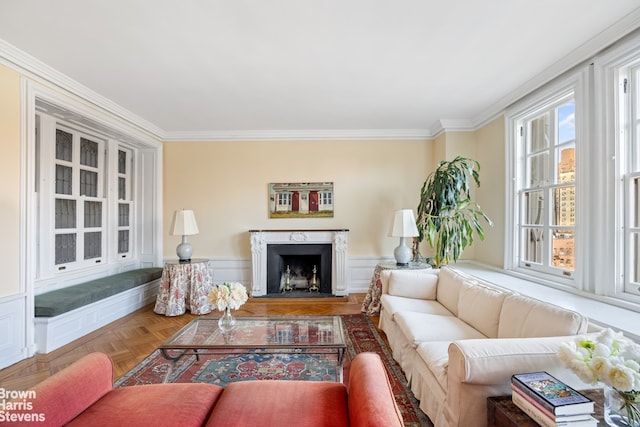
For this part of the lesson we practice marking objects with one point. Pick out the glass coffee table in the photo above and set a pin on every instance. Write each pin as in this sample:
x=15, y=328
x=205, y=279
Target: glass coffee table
x=315, y=335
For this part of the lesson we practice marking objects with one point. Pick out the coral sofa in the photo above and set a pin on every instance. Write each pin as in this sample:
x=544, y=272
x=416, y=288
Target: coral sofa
x=459, y=339
x=83, y=395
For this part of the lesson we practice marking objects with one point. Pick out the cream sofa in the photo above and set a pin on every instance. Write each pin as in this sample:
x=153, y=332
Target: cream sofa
x=459, y=339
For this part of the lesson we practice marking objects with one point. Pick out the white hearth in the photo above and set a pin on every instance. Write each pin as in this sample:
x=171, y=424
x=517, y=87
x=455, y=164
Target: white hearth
x=261, y=238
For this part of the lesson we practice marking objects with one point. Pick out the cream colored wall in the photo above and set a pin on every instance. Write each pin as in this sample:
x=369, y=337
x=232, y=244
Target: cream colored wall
x=447, y=146
x=486, y=145
x=490, y=152
x=10, y=178
x=226, y=184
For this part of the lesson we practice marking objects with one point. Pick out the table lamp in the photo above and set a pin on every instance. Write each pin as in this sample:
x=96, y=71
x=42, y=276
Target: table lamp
x=184, y=224
x=403, y=226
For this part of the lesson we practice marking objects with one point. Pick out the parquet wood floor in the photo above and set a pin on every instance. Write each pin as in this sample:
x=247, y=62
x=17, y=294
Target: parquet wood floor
x=130, y=339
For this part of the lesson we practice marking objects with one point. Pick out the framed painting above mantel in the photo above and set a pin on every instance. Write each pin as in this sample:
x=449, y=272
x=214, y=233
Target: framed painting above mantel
x=301, y=200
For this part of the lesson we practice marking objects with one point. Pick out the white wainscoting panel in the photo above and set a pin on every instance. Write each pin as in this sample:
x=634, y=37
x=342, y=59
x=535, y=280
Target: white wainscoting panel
x=13, y=333
x=361, y=269
x=231, y=270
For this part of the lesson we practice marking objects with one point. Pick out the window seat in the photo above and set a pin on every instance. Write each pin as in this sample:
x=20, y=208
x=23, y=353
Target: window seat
x=66, y=314
x=60, y=301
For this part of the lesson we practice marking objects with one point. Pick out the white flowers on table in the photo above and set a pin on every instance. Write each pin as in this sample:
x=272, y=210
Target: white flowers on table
x=613, y=360
x=609, y=358
x=228, y=295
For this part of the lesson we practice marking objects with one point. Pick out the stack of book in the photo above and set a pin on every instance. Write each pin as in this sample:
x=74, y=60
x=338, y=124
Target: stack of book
x=550, y=402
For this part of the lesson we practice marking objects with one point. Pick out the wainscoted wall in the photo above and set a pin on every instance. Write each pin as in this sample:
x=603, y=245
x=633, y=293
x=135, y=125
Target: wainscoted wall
x=13, y=342
x=359, y=271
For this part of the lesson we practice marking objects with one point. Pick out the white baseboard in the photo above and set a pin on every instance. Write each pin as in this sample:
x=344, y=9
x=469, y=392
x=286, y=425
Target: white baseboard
x=54, y=332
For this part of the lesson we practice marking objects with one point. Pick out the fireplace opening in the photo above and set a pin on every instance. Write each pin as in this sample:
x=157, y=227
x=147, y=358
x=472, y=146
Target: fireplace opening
x=299, y=268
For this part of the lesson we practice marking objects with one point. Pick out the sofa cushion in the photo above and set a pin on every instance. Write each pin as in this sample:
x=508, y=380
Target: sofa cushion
x=152, y=405
x=449, y=284
x=269, y=403
x=393, y=304
x=436, y=357
x=422, y=327
x=480, y=306
x=523, y=316
x=419, y=284
x=62, y=300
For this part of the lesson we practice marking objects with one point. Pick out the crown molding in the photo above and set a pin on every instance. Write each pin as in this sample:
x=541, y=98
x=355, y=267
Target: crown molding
x=40, y=72
x=583, y=53
x=301, y=135
x=452, y=125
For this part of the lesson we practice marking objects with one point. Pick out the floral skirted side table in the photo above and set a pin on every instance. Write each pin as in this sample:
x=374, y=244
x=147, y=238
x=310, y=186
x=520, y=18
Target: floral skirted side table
x=184, y=286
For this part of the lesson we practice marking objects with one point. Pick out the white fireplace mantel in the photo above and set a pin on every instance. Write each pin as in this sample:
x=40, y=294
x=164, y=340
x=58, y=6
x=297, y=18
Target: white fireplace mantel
x=261, y=238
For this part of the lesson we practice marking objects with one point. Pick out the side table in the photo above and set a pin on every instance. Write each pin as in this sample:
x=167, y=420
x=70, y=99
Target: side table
x=502, y=412
x=184, y=286
x=371, y=303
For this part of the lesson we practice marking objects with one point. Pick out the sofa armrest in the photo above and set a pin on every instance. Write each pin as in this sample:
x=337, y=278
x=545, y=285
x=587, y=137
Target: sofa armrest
x=67, y=393
x=480, y=368
x=493, y=361
x=370, y=396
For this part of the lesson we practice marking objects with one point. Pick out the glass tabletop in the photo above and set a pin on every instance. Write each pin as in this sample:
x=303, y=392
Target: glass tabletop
x=261, y=332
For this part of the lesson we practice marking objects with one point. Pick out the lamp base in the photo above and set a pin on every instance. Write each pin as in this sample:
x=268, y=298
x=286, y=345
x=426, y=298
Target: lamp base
x=402, y=254
x=184, y=251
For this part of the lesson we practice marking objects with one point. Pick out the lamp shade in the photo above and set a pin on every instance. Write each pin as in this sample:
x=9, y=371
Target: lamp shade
x=184, y=223
x=404, y=224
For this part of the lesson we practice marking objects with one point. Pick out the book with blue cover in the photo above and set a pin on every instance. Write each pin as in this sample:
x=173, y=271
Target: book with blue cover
x=554, y=395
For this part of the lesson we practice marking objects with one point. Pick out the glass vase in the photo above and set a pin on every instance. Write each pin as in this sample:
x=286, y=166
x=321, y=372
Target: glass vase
x=226, y=322
x=621, y=408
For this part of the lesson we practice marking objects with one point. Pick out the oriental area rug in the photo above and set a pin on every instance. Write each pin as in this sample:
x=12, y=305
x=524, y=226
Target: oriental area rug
x=361, y=335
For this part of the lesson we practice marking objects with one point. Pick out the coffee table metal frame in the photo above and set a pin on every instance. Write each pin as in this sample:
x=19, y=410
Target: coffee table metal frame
x=268, y=334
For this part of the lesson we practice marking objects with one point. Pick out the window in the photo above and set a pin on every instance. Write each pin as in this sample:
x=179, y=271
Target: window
x=78, y=198
x=546, y=195
x=574, y=192
x=86, y=197
x=626, y=82
x=125, y=201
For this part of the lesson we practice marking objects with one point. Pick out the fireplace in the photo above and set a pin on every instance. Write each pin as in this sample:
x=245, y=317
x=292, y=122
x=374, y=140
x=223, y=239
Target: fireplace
x=301, y=250
x=301, y=267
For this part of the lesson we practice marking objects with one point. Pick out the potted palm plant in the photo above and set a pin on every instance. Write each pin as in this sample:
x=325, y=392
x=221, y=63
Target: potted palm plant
x=447, y=217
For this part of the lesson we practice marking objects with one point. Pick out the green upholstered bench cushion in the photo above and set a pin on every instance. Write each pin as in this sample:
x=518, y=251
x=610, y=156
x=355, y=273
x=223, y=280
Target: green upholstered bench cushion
x=60, y=301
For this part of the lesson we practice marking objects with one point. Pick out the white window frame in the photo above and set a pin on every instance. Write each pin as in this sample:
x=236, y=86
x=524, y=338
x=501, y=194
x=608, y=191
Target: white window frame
x=128, y=199
x=47, y=194
x=574, y=84
x=613, y=108
x=603, y=252
x=107, y=194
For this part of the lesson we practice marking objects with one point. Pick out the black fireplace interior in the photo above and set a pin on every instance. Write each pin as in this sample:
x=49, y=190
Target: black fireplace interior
x=301, y=259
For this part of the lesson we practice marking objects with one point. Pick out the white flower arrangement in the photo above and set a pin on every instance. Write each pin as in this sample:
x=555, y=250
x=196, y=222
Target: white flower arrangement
x=611, y=359
x=228, y=295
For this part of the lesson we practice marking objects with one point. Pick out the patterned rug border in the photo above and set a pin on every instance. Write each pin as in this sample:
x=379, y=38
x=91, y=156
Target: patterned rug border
x=353, y=347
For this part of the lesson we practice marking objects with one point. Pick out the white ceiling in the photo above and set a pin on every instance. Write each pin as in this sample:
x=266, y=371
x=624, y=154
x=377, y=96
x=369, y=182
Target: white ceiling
x=234, y=68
